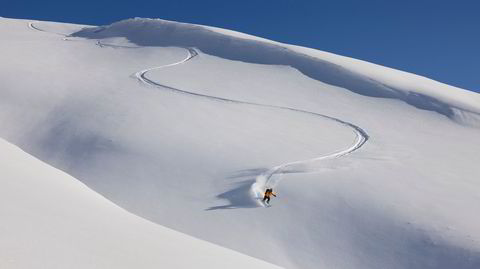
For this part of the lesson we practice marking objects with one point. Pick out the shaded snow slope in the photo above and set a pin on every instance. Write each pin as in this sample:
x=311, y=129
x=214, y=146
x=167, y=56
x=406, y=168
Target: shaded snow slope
x=50, y=220
x=180, y=140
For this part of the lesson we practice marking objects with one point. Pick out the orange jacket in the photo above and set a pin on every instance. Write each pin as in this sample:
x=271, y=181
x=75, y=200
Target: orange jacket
x=269, y=193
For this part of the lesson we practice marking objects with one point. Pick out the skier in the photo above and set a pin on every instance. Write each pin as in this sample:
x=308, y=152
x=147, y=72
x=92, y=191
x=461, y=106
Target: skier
x=266, y=196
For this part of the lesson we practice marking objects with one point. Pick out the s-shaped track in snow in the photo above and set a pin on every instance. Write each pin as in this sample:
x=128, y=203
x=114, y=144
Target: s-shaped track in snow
x=265, y=179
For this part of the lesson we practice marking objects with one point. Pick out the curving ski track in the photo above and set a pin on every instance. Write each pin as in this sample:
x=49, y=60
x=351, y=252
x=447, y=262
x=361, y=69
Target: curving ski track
x=264, y=179
x=32, y=26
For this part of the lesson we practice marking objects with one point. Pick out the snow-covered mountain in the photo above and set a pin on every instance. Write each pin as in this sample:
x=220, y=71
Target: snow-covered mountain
x=186, y=125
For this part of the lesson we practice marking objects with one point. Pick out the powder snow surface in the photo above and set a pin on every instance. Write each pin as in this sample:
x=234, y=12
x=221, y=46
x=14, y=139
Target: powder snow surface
x=184, y=126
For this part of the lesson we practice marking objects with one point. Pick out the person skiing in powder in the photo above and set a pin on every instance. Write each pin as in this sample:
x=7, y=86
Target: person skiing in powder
x=268, y=193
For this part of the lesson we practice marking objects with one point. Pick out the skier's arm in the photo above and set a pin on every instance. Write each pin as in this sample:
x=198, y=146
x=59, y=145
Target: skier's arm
x=274, y=194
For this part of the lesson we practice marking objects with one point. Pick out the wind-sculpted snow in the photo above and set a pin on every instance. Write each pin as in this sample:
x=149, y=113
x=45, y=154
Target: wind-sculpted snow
x=241, y=47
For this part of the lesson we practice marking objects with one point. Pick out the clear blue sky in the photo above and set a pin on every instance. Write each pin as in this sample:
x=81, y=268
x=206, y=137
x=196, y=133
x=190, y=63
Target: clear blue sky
x=438, y=39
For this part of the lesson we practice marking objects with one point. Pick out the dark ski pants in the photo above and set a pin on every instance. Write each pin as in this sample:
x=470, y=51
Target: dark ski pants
x=266, y=199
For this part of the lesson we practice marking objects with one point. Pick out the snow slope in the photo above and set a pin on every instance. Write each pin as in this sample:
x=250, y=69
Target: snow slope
x=355, y=75
x=178, y=123
x=51, y=220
